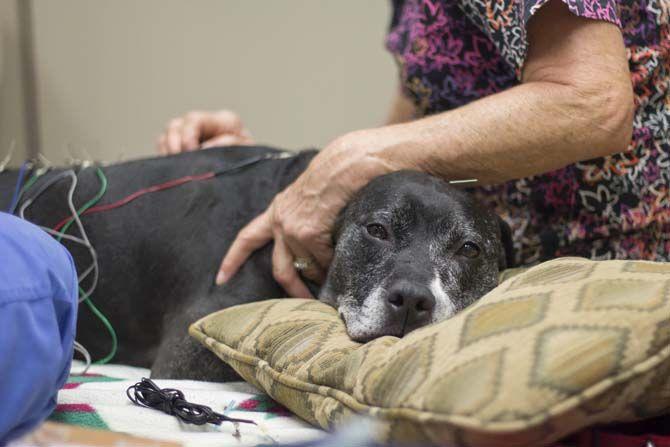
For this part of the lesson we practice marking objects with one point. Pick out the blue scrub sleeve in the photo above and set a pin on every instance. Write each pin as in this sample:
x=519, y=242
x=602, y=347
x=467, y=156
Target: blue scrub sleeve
x=38, y=310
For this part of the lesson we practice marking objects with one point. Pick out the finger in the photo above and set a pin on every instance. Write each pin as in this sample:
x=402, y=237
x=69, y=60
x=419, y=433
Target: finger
x=318, y=245
x=285, y=273
x=252, y=237
x=223, y=140
x=173, y=136
x=221, y=122
x=191, y=131
x=323, y=256
x=161, y=145
x=314, y=272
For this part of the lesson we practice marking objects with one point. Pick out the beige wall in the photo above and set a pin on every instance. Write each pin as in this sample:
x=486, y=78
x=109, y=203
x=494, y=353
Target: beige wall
x=12, y=124
x=300, y=72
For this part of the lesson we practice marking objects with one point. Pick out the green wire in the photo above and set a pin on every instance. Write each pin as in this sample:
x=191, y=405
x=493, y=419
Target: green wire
x=87, y=299
x=29, y=183
x=108, y=326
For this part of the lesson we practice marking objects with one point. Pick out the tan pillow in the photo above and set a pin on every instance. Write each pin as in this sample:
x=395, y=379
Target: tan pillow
x=563, y=345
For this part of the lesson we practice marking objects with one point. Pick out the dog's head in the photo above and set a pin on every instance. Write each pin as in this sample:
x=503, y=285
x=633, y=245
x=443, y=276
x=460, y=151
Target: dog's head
x=411, y=250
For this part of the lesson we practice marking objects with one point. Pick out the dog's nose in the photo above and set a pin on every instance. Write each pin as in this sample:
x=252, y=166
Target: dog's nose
x=414, y=302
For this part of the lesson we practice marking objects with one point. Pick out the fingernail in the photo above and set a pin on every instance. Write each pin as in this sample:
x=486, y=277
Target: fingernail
x=220, y=278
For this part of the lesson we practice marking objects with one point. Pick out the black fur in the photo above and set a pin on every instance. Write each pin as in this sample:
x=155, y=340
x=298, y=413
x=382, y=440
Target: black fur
x=159, y=255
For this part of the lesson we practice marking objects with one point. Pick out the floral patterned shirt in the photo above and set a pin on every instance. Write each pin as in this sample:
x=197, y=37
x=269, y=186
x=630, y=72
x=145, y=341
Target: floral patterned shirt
x=452, y=52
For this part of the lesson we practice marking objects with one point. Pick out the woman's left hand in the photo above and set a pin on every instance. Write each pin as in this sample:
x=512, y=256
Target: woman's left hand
x=300, y=218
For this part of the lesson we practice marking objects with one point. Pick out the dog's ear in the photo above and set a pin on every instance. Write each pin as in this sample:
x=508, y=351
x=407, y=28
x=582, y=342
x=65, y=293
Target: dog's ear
x=506, y=257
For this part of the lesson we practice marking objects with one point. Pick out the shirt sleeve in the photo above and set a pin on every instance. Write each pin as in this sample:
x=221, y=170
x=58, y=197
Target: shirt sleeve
x=38, y=308
x=505, y=21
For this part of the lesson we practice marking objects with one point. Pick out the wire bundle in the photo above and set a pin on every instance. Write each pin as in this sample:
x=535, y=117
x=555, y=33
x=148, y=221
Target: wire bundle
x=84, y=295
x=61, y=229
x=171, y=401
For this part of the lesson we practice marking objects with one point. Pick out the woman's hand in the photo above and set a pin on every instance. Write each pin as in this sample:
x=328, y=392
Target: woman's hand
x=200, y=130
x=300, y=219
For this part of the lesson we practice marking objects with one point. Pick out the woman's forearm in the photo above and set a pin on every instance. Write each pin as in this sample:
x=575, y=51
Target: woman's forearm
x=530, y=129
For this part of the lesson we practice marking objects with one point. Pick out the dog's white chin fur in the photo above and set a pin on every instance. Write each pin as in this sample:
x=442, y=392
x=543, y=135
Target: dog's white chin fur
x=367, y=321
x=444, y=305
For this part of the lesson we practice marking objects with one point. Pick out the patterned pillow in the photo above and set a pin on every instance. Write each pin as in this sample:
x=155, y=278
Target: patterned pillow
x=563, y=345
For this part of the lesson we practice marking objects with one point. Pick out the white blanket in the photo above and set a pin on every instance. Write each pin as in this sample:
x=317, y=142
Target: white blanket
x=100, y=399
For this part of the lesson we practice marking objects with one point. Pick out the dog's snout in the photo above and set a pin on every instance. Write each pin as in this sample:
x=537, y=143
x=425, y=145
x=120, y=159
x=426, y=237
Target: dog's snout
x=410, y=302
x=412, y=298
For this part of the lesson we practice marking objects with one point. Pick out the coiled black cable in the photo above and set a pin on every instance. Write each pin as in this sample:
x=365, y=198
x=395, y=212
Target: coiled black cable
x=171, y=401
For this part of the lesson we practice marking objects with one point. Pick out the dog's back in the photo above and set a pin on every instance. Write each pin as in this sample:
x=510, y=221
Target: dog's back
x=158, y=255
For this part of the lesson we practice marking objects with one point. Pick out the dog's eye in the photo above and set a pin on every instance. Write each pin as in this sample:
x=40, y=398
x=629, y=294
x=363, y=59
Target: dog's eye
x=469, y=250
x=377, y=231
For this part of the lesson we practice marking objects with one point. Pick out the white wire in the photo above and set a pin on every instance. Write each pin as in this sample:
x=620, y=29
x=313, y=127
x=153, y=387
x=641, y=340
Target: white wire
x=87, y=356
x=92, y=267
x=94, y=255
x=43, y=187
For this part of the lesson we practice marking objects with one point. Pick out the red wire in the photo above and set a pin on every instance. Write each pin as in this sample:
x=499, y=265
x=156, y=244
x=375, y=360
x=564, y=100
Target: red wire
x=155, y=188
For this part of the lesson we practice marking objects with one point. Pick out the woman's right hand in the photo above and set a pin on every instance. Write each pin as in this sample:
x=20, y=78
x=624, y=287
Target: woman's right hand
x=200, y=130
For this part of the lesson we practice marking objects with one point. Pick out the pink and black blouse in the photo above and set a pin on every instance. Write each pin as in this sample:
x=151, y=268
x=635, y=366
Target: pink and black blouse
x=451, y=52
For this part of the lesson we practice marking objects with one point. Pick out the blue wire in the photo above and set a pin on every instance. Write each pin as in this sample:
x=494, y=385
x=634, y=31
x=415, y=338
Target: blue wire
x=19, y=182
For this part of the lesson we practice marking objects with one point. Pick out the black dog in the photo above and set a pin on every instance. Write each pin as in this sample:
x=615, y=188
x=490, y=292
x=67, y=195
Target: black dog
x=409, y=250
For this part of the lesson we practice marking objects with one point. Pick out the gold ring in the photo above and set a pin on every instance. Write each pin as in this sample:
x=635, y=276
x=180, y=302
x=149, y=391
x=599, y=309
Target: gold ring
x=301, y=264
